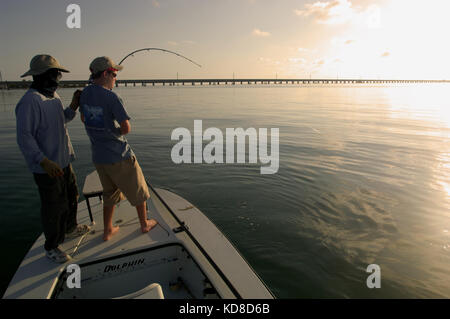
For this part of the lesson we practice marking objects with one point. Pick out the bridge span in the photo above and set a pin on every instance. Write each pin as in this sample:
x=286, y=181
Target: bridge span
x=193, y=82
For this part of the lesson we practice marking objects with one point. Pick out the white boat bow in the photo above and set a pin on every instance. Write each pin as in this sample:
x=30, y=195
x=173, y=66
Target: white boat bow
x=185, y=256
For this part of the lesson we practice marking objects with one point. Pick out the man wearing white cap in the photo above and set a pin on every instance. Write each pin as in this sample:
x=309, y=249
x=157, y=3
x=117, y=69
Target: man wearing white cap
x=44, y=141
x=106, y=122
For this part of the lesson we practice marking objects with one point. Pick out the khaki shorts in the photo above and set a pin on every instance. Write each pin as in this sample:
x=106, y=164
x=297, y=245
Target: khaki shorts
x=123, y=178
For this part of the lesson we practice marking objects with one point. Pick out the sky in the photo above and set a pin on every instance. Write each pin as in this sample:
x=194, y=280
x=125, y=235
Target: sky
x=382, y=39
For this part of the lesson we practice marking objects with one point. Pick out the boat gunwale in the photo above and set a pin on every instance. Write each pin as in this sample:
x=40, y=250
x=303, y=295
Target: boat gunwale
x=199, y=246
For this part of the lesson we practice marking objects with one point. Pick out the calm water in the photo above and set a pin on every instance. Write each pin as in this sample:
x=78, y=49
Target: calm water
x=364, y=178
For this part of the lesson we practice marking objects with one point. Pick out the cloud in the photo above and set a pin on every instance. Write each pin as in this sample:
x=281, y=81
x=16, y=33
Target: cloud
x=332, y=12
x=338, y=12
x=269, y=61
x=341, y=41
x=155, y=3
x=305, y=50
x=318, y=63
x=259, y=33
x=297, y=60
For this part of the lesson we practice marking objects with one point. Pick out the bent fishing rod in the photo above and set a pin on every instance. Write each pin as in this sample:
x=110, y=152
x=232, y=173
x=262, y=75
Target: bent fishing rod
x=158, y=49
x=153, y=49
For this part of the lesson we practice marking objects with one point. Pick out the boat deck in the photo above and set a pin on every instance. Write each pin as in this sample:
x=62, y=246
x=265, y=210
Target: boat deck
x=196, y=255
x=37, y=271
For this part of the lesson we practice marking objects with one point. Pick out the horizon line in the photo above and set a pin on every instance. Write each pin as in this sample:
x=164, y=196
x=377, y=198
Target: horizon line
x=247, y=79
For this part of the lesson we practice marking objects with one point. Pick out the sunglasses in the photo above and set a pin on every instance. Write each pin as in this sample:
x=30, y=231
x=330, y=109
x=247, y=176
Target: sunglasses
x=112, y=71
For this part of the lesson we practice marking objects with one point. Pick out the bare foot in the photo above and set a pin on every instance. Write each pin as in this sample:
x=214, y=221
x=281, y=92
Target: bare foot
x=150, y=224
x=108, y=234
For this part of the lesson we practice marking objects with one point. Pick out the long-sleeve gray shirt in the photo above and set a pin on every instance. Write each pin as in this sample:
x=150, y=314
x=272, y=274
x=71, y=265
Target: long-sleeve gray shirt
x=42, y=131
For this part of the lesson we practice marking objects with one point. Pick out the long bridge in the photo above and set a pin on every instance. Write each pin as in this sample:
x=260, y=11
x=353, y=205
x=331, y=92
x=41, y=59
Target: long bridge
x=193, y=82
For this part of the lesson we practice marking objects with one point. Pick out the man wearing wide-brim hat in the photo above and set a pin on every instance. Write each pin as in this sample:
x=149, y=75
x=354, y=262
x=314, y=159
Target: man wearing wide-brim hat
x=44, y=141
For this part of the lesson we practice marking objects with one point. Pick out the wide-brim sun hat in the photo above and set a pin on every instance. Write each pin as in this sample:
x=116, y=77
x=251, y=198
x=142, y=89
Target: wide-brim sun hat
x=103, y=63
x=42, y=63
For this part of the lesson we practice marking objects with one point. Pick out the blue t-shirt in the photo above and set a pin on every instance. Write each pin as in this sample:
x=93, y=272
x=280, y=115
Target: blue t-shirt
x=103, y=110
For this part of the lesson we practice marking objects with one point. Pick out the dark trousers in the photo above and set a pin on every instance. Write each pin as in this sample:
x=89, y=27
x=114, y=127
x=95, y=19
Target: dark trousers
x=59, y=203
